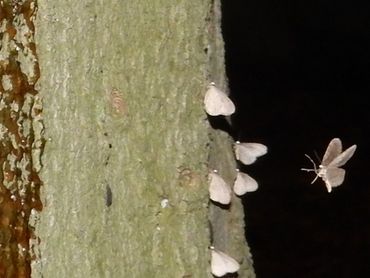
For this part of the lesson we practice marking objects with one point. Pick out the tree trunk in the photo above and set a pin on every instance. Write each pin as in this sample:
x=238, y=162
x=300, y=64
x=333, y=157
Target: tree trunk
x=128, y=145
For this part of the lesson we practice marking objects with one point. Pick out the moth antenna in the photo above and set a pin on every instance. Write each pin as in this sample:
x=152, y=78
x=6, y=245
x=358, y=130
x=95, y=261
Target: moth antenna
x=317, y=156
x=313, y=163
x=310, y=170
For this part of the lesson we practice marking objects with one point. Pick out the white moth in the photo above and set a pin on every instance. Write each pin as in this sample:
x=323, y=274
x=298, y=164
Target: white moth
x=222, y=263
x=219, y=190
x=247, y=153
x=165, y=203
x=244, y=183
x=216, y=102
x=334, y=158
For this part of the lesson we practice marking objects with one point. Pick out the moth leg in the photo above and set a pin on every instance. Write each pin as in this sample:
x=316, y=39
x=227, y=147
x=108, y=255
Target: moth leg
x=314, y=179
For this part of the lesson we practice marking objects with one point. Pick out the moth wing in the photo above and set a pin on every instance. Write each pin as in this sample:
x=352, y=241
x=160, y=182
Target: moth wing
x=342, y=159
x=217, y=102
x=222, y=263
x=219, y=191
x=243, y=155
x=255, y=149
x=332, y=151
x=247, y=153
x=244, y=183
x=334, y=177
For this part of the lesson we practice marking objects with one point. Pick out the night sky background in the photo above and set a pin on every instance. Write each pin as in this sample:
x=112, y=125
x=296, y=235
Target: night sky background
x=299, y=74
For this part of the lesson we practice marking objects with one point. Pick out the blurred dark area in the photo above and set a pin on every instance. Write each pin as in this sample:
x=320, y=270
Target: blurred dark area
x=299, y=74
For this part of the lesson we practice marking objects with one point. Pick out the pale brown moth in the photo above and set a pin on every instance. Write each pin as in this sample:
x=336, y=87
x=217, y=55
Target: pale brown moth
x=329, y=169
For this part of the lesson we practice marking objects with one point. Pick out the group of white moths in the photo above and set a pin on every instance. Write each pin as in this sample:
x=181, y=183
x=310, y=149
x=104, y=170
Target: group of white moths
x=217, y=103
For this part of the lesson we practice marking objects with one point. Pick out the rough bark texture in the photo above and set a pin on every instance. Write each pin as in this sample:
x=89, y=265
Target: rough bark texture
x=126, y=160
x=227, y=224
x=21, y=140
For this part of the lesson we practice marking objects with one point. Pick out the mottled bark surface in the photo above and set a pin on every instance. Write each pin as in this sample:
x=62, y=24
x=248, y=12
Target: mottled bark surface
x=21, y=140
x=127, y=141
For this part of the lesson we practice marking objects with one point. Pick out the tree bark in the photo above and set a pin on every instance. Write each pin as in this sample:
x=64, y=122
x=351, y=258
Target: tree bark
x=128, y=144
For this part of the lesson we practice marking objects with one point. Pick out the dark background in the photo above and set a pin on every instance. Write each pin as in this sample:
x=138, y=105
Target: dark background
x=299, y=73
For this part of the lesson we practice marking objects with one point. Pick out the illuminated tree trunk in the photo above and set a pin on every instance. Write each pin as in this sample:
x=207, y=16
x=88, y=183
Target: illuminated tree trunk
x=128, y=145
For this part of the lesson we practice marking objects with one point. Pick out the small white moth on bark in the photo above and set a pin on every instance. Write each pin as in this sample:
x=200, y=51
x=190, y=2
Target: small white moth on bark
x=334, y=158
x=244, y=183
x=222, y=263
x=219, y=190
x=247, y=153
x=216, y=102
x=165, y=203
